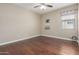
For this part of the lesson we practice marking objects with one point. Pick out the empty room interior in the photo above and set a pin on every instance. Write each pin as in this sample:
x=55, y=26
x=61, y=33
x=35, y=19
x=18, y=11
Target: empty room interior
x=39, y=29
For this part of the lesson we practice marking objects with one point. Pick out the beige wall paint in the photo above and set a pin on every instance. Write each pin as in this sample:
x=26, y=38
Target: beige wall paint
x=17, y=23
x=78, y=22
x=56, y=25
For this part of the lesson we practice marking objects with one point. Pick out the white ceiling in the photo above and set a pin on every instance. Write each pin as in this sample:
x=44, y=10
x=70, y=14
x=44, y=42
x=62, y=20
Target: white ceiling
x=30, y=6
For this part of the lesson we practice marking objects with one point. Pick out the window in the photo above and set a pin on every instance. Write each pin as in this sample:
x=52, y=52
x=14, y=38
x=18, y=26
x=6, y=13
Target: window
x=68, y=19
x=68, y=22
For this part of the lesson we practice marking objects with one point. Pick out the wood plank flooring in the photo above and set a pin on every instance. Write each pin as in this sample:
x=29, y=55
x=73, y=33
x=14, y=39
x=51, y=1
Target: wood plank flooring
x=41, y=46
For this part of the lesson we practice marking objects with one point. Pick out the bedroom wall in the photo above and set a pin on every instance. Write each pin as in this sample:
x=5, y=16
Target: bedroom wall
x=56, y=25
x=78, y=22
x=17, y=23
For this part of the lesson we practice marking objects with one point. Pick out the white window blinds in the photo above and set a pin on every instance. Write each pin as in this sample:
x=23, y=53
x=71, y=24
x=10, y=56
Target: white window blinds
x=68, y=19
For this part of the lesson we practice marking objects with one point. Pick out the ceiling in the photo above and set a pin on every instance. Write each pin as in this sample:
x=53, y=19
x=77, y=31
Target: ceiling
x=30, y=6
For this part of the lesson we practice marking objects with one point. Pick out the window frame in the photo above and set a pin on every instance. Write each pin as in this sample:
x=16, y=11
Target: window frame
x=66, y=20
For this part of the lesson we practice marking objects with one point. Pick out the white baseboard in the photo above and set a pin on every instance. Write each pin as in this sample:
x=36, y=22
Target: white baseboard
x=18, y=40
x=57, y=37
x=33, y=37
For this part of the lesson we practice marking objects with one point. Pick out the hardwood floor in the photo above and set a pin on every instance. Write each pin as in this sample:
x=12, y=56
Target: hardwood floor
x=41, y=46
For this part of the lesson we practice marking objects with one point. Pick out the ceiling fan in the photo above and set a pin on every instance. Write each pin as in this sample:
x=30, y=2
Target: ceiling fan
x=43, y=6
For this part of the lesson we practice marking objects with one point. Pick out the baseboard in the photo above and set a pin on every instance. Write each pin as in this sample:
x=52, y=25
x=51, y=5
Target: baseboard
x=33, y=37
x=18, y=40
x=57, y=37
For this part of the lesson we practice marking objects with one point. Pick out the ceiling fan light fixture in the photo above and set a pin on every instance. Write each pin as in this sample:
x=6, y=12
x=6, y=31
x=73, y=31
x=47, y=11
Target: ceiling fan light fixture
x=43, y=7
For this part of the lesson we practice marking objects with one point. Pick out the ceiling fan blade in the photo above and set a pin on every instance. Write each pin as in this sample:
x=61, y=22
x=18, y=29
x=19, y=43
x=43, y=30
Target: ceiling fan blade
x=36, y=6
x=49, y=5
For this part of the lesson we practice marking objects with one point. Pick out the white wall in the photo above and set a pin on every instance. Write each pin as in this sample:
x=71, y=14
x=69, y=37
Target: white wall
x=56, y=25
x=17, y=23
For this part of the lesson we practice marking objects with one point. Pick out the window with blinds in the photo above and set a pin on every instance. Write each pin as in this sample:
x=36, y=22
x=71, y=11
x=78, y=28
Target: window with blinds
x=68, y=19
